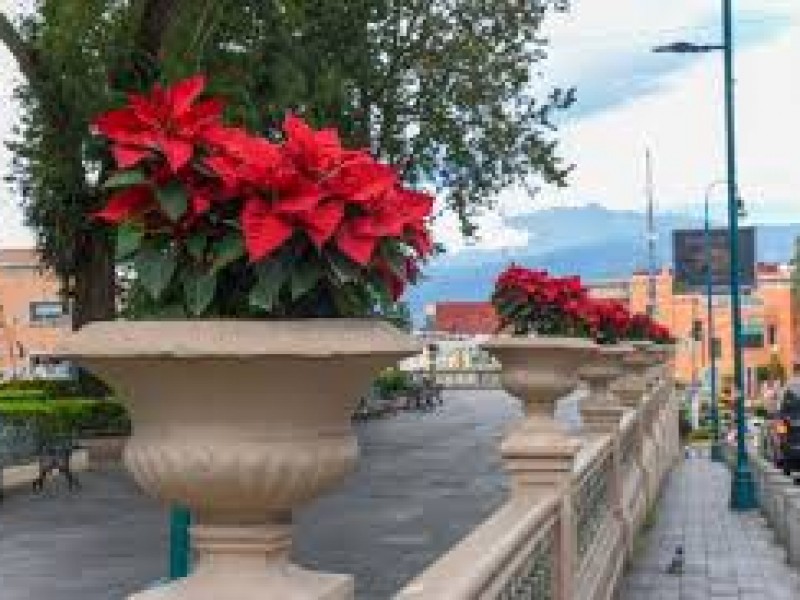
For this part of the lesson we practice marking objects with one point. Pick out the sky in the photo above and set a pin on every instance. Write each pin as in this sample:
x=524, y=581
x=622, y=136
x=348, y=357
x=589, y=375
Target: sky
x=629, y=100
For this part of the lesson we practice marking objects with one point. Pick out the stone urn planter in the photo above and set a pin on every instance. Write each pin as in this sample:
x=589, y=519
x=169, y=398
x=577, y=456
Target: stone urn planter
x=539, y=371
x=601, y=410
x=632, y=384
x=242, y=422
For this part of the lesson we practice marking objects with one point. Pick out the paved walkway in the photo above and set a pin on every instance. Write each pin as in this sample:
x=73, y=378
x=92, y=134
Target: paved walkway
x=424, y=481
x=727, y=555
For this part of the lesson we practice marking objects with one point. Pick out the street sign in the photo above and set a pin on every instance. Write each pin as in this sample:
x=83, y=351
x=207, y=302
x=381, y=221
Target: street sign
x=689, y=251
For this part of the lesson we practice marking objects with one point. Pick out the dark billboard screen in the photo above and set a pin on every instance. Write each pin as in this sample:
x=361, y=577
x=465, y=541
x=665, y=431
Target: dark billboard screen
x=689, y=250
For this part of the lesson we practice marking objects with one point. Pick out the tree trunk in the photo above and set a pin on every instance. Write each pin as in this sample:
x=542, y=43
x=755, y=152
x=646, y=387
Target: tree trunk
x=94, y=285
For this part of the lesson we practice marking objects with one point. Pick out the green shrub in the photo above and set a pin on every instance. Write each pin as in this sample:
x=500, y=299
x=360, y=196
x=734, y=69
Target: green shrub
x=392, y=382
x=23, y=395
x=84, y=386
x=75, y=416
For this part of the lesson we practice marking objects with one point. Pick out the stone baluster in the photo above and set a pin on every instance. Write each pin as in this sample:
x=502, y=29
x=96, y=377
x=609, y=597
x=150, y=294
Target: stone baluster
x=539, y=453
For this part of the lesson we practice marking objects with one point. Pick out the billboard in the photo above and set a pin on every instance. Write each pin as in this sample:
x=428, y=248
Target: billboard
x=689, y=252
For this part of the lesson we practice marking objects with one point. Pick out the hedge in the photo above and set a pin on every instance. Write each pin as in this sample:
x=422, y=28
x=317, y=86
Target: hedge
x=23, y=394
x=83, y=386
x=75, y=416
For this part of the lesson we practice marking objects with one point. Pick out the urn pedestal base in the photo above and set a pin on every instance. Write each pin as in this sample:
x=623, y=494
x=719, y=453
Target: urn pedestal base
x=242, y=423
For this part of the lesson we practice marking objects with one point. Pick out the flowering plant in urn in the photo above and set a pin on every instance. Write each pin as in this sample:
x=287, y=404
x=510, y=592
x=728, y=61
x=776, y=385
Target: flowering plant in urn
x=256, y=265
x=535, y=302
x=220, y=221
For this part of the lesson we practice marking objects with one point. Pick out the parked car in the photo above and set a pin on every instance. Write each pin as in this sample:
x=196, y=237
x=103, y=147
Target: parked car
x=783, y=434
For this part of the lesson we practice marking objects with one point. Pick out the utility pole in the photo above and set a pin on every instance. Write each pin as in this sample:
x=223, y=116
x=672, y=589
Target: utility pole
x=651, y=237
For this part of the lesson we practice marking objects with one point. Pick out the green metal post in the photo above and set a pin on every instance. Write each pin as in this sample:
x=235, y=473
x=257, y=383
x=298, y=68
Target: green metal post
x=743, y=496
x=716, y=448
x=179, y=554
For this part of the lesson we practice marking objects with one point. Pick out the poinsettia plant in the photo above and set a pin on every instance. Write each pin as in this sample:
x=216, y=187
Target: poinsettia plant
x=535, y=302
x=216, y=220
x=644, y=328
x=530, y=301
x=607, y=321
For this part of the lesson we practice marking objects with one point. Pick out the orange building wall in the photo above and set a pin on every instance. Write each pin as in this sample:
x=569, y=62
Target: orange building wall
x=773, y=306
x=22, y=281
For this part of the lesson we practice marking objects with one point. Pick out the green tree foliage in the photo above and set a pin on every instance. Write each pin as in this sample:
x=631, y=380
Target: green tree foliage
x=449, y=89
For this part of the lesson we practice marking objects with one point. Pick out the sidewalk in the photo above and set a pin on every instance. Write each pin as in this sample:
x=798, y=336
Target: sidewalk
x=727, y=555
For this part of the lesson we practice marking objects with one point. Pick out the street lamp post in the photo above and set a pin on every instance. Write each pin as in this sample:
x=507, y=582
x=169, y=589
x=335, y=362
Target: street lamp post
x=743, y=496
x=716, y=448
x=743, y=492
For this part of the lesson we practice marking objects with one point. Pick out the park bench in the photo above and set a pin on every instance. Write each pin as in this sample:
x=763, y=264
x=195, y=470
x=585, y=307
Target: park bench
x=55, y=454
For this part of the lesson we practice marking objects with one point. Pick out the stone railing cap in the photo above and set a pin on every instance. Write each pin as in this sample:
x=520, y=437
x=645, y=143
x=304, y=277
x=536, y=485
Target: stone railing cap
x=308, y=338
x=513, y=341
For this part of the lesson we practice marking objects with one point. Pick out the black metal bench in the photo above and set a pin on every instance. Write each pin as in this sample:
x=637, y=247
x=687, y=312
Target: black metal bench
x=56, y=455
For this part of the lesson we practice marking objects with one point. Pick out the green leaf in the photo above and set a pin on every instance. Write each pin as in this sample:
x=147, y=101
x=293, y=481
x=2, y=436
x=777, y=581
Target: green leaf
x=351, y=301
x=344, y=270
x=173, y=200
x=122, y=179
x=155, y=270
x=271, y=276
x=129, y=239
x=227, y=250
x=196, y=245
x=304, y=277
x=198, y=291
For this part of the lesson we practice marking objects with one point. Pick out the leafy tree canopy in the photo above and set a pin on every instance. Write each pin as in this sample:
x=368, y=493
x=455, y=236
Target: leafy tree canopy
x=447, y=88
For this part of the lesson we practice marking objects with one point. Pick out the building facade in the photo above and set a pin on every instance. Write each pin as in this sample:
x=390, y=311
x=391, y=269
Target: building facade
x=33, y=317
x=771, y=331
x=769, y=320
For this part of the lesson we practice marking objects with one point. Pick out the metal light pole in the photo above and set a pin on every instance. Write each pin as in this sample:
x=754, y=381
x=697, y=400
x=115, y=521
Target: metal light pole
x=743, y=496
x=716, y=448
x=743, y=491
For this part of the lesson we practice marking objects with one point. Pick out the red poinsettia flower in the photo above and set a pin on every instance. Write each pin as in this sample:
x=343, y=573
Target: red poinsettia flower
x=128, y=204
x=207, y=181
x=167, y=120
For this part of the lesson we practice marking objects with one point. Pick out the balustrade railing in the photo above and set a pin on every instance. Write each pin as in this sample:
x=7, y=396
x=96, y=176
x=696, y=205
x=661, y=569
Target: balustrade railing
x=591, y=504
x=567, y=536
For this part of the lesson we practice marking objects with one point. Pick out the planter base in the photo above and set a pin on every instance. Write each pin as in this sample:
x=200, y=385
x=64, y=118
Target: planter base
x=249, y=563
x=249, y=582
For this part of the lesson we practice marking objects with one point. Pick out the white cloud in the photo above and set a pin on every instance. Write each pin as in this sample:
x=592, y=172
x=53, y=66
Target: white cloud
x=683, y=125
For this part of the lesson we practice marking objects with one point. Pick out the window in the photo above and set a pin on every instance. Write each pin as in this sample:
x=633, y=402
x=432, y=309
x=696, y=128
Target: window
x=772, y=335
x=697, y=330
x=47, y=311
x=717, y=347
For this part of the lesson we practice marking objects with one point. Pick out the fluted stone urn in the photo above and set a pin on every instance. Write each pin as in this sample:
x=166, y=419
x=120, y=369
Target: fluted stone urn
x=242, y=422
x=632, y=384
x=601, y=410
x=539, y=371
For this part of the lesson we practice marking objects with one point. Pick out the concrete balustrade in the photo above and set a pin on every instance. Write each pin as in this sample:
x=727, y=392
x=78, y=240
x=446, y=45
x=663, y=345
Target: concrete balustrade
x=576, y=502
x=779, y=502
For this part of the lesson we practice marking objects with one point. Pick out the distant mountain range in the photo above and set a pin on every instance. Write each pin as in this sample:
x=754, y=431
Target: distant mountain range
x=591, y=241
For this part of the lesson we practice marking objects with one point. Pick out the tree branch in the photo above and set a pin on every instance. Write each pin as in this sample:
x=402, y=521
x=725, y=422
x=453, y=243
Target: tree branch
x=157, y=16
x=22, y=53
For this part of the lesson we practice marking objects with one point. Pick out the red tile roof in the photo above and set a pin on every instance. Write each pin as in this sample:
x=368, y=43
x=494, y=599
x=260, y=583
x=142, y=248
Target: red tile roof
x=470, y=318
